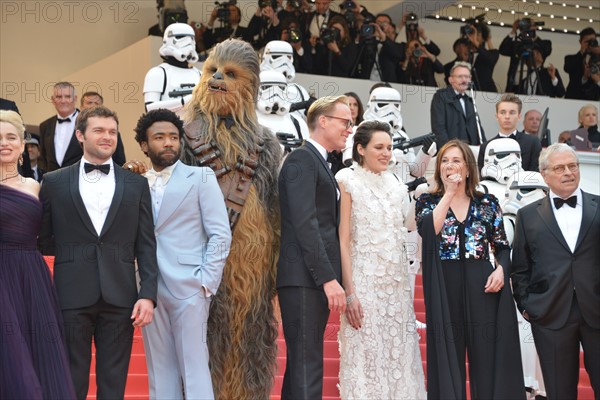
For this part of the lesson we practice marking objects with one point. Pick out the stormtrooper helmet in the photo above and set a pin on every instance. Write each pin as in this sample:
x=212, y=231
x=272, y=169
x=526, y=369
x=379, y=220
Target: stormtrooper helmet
x=523, y=188
x=279, y=56
x=384, y=105
x=502, y=159
x=272, y=94
x=179, y=42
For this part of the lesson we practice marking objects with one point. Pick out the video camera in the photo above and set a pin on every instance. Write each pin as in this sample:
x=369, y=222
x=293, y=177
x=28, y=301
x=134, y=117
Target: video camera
x=288, y=141
x=527, y=28
x=223, y=11
x=367, y=31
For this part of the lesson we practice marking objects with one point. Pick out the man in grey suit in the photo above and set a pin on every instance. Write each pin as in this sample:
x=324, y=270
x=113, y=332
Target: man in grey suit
x=309, y=268
x=193, y=238
x=556, y=274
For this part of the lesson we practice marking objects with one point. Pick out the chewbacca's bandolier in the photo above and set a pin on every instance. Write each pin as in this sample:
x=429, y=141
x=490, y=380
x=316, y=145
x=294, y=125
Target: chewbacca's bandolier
x=242, y=329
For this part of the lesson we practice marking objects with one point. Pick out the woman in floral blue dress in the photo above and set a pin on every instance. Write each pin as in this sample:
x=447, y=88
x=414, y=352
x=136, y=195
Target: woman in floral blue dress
x=469, y=306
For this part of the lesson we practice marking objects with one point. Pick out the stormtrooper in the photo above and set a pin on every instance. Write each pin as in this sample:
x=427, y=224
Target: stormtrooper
x=502, y=160
x=278, y=55
x=170, y=84
x=385, y=105
x=273, y=111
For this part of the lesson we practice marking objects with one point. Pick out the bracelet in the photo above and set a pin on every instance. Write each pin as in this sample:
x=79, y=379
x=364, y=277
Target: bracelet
x=350, y=298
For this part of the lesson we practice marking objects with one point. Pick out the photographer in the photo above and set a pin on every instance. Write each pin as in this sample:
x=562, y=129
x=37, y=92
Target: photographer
x=264, y=25
x=229, y=16
x=518, y=48
x=410, y=22
x=341, y=50
x=380, y=55
x=584, y=68
x=540, y=80
x=355, y=15
x=482, y=55
x=290, y=32
x=419, y=65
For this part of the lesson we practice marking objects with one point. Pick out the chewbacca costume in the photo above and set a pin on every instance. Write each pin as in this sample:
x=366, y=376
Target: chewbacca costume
x=222, y=132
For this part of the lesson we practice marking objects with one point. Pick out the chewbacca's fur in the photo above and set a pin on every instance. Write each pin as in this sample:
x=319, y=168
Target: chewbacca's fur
x=242, y=328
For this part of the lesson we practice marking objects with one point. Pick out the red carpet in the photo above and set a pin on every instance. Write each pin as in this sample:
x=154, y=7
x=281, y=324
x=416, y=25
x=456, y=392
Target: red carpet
x=137, y=382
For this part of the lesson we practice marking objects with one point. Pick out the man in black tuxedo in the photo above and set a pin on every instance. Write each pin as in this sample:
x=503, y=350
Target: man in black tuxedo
x=513, y=46
x=556, y=274
x=309, y=271
x=577, y=66
x=508, y=114
x=452, y=112
x=59, y=146
x=540, y=80
x=97, y=221
x=32, y=147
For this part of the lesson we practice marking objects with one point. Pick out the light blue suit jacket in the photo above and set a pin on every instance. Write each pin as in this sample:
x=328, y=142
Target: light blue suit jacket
x=192, y=232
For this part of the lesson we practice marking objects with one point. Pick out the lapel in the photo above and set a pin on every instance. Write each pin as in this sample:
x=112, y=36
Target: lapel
x=323, y=162
x=175, y=192
x=74, y=149
x=117, y=197
x=590, y=208
x=48, y=139
x=547, y=216
x=77, y=200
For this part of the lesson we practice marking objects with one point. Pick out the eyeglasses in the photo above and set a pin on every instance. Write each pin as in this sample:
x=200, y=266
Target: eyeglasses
x=349, y=123
x=560, y=169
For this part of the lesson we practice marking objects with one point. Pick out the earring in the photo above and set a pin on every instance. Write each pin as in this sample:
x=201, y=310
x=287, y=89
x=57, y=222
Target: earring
x=21, y=160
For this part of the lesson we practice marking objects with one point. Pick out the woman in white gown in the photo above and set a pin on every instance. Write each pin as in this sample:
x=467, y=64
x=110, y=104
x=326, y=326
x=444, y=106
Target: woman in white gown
x=379, y=344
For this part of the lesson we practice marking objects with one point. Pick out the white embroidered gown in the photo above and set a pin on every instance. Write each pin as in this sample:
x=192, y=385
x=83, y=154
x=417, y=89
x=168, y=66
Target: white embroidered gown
x=382, y=360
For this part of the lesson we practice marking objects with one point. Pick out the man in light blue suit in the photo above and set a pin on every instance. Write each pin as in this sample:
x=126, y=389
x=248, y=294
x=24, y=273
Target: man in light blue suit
x=193, y=238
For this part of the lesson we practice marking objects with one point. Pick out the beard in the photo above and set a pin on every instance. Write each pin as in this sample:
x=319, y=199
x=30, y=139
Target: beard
x=165, y=158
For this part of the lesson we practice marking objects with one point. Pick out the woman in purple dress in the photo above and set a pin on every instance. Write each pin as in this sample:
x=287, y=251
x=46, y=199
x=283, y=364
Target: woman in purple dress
x=33, y=361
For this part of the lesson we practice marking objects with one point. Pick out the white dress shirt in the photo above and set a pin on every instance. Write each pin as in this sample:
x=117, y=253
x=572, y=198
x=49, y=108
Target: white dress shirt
x=158, y=182
x=569, y=218
x=462, y=102
x=317, y=23
x=62, y=136
x=323, y=152
x=97, y=191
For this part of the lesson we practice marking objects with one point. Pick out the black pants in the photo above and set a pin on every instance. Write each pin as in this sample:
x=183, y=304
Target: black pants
x=558, y=350
x=304, y=314
x=112, y=330
x=473, y=314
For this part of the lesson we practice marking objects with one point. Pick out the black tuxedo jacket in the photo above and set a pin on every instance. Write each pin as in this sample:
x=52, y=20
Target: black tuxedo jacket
x=483, y=70
x=88, y=265
x=74, y=151
x=390, y=56
x=545, y=272
x=531, y=147
x=545, y=87
x=310, y=247
x=448, y=120
x=574, y=67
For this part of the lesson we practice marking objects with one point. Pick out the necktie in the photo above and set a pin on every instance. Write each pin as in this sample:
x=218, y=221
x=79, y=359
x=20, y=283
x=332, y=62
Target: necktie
x=61, y=120
x=104, y=168
x=571, y=202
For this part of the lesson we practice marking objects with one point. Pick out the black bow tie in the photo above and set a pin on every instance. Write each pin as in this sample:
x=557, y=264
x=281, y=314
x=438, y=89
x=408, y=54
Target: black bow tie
x=61, y=120
x=228, y=120
x=571, y=202
x=461, y=96
x=104, y=168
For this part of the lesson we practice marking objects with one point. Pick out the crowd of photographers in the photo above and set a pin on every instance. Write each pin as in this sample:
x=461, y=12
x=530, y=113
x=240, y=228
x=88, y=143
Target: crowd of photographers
x=355, y=43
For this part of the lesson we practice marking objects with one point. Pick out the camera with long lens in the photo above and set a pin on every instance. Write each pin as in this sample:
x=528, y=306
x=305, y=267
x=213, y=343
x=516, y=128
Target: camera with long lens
x=348, y=7
x=223, y=11
x=412, y=22
x=527, y=28
x=593, y=43
x=417, y=52
x=330, y=35
x=295, y=35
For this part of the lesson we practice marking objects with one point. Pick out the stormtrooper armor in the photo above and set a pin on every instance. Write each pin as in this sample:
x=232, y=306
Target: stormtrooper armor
x=279, y=56
x=273, y=110
x=502, y=160
x=522, y=189
x=174, y=75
